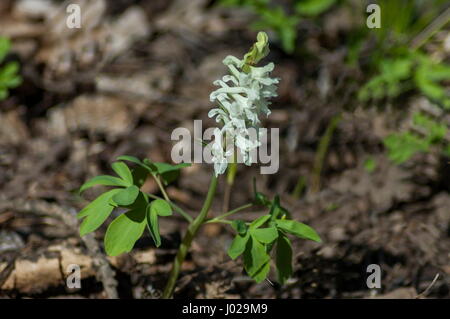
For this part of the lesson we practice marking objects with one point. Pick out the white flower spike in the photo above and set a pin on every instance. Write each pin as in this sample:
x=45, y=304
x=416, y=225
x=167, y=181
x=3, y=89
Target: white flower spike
x=243, y=95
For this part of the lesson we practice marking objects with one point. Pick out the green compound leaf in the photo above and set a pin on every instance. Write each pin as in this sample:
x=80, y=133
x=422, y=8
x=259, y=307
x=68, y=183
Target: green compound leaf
x=123, y=171
x=127, y=196
x=255, y=257
x=105, y=180
x=284, y=259
x=265, y=235
x=124, y=231
x=238, y=246
x=96, y=212
x=298, y=229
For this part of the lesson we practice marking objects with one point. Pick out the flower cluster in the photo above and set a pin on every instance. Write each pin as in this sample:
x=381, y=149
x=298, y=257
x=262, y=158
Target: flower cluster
x=243, y=95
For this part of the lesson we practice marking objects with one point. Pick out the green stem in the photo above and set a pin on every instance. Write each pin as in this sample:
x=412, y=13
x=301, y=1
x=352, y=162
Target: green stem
x=300, y=187
x=166, y=197
x=161, y=187
x=231, y=175
x=431, y=29
x=231, y=212
x=322, y=151
x=219, y=221
x=187, y=240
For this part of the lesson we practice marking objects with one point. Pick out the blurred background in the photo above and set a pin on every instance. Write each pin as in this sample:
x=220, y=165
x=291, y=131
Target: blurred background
x=363, y=115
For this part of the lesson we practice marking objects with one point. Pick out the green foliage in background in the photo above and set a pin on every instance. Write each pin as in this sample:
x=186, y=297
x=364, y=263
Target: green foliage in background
x=370, y=165
x=9, y=77
x=402, y=146
x=404, y=73
x=411, y=70
x=398, y=65
x=283, y=21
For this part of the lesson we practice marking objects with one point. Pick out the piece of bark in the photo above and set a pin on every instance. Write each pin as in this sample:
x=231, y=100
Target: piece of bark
x=400, y=293
x=42, y=269
x=39, y=270
x=100, y=263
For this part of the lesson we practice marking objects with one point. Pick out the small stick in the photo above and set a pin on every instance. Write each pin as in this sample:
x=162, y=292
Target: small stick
x=427, y=291
x=431, y=29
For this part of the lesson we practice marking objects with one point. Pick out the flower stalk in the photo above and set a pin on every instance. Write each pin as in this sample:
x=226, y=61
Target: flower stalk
x=187, y=240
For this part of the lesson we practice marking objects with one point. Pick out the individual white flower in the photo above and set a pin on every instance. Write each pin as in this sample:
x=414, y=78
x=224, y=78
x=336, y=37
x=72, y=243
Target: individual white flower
x=241, y=98
x=246, y=145
x=219, y=156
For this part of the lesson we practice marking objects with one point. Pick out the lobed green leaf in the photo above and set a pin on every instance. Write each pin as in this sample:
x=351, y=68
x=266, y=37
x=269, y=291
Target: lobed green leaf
x=96, y=212
x=148, y=165
x=161, y=207
x=105, y=180
x=124, y=231
x=153, y=225
x=238, y=246
x=298, y=229
x=265, y=235
x=123, y=171
x=126, y=196
x=259, y=221
x=262, y=273
x=284, y=258
x=255, y=257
